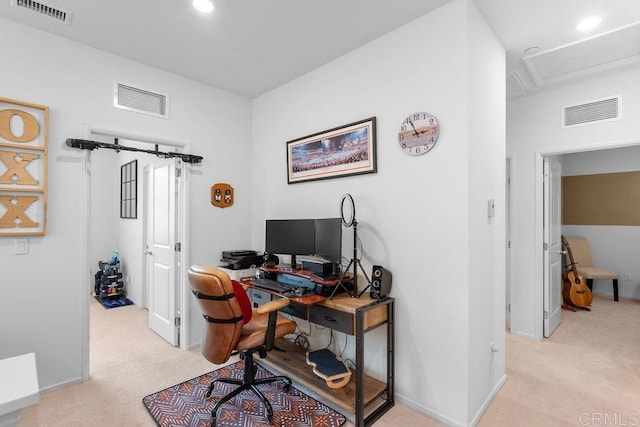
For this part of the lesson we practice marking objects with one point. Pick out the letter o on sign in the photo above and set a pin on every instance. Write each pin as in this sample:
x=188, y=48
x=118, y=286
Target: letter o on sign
x=31, y=127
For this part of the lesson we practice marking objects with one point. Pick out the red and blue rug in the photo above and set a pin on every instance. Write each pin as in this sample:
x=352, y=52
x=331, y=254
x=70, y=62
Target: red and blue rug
x=184, y=404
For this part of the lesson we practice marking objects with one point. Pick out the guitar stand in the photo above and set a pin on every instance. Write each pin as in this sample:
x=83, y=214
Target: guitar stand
x=571, y=307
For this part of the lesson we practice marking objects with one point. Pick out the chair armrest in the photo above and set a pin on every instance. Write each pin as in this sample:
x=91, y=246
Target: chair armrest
x=274, y=305
x=271, y=308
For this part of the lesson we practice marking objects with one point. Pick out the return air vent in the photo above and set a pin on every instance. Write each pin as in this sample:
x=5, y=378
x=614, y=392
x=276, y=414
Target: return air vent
x=140, y=100
x=595, y=111
x=44, y=9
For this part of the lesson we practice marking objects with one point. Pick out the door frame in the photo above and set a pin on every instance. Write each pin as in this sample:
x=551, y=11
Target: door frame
x=539, y=219
x=183, y=229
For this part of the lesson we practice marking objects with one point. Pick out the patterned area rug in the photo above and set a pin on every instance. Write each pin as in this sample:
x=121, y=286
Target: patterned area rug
x=184, y=404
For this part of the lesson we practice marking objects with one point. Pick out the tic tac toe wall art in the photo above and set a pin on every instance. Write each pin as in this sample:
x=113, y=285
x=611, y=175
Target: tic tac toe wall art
x=24, y=141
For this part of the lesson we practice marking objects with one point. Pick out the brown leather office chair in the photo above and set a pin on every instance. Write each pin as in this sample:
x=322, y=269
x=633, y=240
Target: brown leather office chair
x=584, y=263
x=229, y=328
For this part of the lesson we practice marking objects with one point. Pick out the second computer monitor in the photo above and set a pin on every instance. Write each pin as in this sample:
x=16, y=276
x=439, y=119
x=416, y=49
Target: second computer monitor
x=328, y=239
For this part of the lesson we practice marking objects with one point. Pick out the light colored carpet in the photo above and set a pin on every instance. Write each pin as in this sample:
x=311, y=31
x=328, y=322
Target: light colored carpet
x=591, y=365
x=586, y=374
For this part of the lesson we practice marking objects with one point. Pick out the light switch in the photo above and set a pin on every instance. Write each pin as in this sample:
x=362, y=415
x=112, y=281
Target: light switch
x=22, y=246
x=491, y=208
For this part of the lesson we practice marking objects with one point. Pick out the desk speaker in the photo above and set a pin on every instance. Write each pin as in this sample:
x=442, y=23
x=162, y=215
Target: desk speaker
x=380, y=282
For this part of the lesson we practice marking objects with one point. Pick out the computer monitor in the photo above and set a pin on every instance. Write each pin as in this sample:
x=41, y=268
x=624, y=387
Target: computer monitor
x=290, y=237
x=328, y=239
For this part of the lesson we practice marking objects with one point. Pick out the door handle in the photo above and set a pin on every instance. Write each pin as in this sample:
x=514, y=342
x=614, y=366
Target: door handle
x=562, y=252
x=146, y=252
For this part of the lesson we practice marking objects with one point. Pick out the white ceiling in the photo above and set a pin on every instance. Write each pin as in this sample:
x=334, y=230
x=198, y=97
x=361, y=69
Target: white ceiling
x=252, y=46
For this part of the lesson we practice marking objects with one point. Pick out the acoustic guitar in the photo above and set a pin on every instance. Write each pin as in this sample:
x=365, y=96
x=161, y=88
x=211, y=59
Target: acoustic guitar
x=575, y=289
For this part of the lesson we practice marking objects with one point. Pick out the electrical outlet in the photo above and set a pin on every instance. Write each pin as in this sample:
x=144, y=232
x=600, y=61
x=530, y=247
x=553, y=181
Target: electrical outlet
x=21, y=246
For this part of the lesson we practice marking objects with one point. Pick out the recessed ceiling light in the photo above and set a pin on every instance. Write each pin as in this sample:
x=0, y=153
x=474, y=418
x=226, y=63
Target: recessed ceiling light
x=589, y=23
x=204, y=6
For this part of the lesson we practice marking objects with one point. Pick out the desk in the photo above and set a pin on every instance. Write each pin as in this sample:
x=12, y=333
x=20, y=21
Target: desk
x=365, y=397
x=18, y=387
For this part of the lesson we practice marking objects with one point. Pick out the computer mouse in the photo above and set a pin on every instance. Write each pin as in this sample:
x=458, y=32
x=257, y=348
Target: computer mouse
x=300, y=291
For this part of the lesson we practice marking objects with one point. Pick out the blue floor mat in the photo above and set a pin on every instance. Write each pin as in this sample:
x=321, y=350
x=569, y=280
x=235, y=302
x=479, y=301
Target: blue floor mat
x=114, y=302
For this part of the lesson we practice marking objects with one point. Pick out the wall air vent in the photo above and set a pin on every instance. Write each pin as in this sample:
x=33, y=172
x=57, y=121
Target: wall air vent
x=143, y=101
x=595, y=111
x=44, y=9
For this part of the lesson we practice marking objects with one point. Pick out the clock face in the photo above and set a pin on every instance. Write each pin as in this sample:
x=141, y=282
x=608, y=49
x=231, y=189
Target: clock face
x=418, y=133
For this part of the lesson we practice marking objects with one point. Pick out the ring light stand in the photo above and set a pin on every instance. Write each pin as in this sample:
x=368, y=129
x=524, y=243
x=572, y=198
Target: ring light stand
x=354, y=261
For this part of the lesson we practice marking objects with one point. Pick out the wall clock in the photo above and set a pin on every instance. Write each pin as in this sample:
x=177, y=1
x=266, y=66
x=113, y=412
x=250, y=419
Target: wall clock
x=418, y=133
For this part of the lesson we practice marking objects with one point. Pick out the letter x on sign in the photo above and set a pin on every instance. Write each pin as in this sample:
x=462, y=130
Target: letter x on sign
x=15, y=215
x=16, y=164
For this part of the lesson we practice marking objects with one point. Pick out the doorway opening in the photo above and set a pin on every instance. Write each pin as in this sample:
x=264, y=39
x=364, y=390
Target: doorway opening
x=618, y=239
x=101, y=217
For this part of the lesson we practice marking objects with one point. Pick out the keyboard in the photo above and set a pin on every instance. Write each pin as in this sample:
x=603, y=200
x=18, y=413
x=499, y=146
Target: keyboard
x=272, y=285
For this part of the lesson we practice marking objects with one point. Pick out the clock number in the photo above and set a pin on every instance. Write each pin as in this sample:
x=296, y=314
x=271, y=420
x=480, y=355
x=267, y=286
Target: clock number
x=417, y=150
x=404, y=145
x=401, y=137
x=403, y=128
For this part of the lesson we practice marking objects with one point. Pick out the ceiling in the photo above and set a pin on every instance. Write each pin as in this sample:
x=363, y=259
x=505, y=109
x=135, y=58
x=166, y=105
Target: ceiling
x=252, y=46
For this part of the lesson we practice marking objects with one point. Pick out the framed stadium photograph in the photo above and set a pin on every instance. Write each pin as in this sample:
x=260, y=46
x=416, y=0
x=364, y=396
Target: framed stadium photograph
x=338, y=152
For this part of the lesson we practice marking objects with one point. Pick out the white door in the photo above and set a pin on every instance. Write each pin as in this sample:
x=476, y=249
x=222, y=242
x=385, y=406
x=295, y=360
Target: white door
x=552, y=246
x=161, y=250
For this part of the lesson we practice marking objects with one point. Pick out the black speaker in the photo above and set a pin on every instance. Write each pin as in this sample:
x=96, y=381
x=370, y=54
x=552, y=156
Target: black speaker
x=380, y=282
x=270, y=260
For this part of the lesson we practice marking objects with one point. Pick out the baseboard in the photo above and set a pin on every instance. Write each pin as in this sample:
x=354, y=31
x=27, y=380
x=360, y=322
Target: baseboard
x=61, y=385
x=424, y=410
x=487, y=402
x=446, y=420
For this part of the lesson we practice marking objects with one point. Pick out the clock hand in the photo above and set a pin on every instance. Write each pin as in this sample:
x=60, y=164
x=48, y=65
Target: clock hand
x=414, y=128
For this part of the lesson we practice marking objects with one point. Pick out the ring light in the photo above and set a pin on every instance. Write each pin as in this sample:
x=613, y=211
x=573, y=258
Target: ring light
x=349, y=222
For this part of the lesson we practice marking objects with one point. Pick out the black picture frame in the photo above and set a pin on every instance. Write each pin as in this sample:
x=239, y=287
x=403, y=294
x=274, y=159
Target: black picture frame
x=342, y=151
x=129, y=190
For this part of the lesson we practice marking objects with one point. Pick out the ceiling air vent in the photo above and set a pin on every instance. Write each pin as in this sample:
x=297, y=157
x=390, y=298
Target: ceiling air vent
x=44, y=9
x=142, y=101
x=595, y=111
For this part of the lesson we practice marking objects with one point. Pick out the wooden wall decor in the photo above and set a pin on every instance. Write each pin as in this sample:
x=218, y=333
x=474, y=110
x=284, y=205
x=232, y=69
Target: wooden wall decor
x=601, y=199
x=222, y=195
x=24, y=140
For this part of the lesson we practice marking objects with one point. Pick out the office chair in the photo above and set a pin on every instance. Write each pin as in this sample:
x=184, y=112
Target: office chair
x=584, y=263
x=231, y=324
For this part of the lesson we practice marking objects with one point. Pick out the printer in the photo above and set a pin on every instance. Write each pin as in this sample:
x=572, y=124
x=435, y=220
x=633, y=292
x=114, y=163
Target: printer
x=241, y=259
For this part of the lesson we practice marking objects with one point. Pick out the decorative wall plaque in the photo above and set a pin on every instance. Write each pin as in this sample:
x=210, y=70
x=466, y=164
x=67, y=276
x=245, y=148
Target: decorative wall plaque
x=24, y=138
x=222, y=195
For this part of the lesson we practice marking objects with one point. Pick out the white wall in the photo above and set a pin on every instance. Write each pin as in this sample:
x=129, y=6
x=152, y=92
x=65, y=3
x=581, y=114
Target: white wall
x=613, y=247
x=486, y=181
x=42, y=306
x=423, y=217
x=533, y=129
